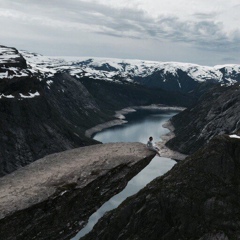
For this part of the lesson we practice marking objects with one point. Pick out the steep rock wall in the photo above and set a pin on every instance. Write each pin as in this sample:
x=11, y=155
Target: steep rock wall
x=216, y=113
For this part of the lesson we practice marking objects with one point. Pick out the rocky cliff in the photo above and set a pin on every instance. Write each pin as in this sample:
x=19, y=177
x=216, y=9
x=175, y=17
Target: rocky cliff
x=217, y=112
x=35, y=125
x=10, y=57
x=53, y=197
x=197, y=199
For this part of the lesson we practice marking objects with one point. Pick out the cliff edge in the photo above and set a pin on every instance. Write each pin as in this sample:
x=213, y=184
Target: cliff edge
x=53, y=197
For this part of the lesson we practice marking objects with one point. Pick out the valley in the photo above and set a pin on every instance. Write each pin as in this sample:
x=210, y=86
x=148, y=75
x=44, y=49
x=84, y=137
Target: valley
x=48, y=105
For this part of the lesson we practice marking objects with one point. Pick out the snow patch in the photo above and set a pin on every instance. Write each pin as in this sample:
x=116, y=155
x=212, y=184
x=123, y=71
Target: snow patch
x=179, y=84
x=234, y=136
x=6, y=96
x=31, y=95
x=49, y=82
x=3, y=75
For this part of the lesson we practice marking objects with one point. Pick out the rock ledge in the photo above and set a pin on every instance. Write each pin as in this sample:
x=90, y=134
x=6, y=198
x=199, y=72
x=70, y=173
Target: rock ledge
x=65, y=189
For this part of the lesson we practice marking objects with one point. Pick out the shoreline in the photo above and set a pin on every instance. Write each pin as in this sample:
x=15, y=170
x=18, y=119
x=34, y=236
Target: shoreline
x=120, y=117
x=164, y=150
x=160, y=107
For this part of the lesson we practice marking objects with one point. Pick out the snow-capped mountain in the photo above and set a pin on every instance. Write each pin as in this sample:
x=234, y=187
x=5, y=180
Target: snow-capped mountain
x=166, y=75
x=171, y=76
x=13, y=64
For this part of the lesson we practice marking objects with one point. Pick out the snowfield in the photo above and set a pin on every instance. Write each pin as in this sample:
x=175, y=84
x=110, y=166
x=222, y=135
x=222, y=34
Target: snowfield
x=234, y=136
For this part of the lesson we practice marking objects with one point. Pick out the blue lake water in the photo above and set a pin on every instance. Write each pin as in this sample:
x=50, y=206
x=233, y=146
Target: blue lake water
x=140, y=126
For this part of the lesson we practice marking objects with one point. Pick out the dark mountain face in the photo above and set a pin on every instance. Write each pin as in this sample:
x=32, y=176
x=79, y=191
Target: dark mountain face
x=53, y=121
x=112, y=95
x=168, y=81
x=197, y=199
x=217, y=112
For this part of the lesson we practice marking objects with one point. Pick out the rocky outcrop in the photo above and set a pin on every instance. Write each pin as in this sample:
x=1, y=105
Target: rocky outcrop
x=53, y=197
x=197, y=199
x=217, y=112
x=10, y=57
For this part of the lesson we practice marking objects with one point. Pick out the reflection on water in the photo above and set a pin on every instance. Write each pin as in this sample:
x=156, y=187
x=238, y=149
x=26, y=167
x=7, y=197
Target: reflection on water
x=140, y=126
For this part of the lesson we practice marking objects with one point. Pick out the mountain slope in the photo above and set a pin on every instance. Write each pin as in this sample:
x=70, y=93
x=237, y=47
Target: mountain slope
x=113, y=95
x=53, y=121
x=217, y=112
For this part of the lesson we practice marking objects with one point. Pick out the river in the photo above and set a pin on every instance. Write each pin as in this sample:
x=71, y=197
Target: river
x=141, y=124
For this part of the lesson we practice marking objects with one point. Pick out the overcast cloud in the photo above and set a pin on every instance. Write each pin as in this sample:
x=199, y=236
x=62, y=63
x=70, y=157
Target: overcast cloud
x=199, y=31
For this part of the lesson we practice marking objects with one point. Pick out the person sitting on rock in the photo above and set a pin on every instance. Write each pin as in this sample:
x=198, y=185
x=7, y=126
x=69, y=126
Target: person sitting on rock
x=151, y=146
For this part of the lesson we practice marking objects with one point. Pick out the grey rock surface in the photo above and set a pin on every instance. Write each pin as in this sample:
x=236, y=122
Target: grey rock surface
x=198, y=199
x=216, y=113
x=53, y=197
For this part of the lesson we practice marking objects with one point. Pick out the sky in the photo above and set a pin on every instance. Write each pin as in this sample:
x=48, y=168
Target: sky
x=196, y=31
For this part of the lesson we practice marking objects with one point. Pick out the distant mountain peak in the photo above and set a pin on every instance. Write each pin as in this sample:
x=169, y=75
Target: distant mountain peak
x=173, y=76
x=109, y=69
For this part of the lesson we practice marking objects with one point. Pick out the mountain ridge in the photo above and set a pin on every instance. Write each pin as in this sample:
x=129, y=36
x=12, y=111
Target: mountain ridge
x=170, y=76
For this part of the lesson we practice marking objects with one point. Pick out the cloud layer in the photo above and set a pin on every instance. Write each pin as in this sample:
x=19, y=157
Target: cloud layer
x=212, y=27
